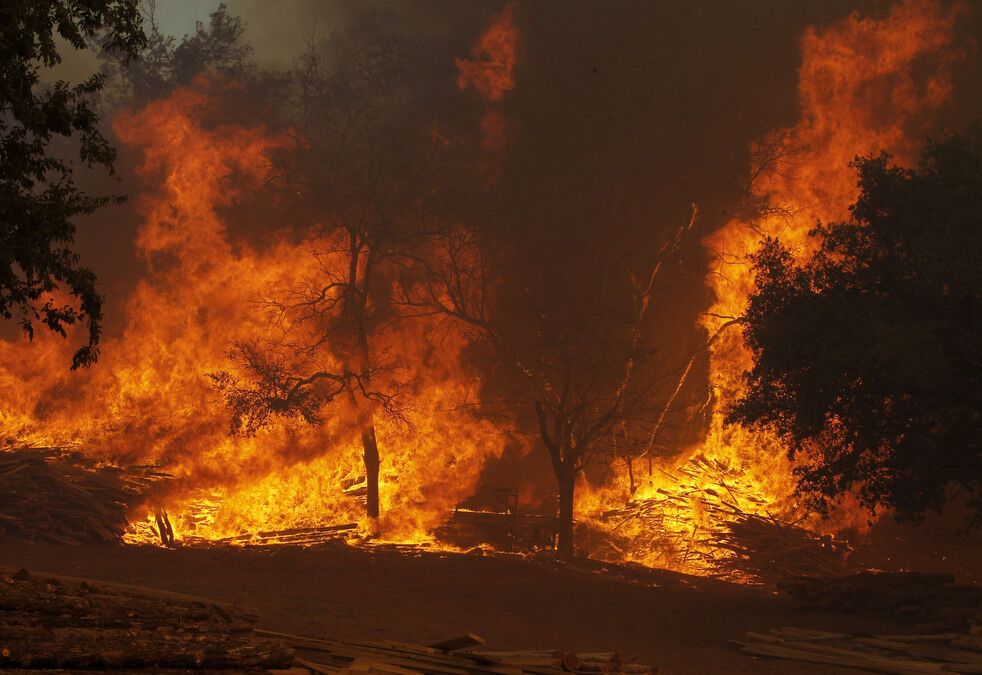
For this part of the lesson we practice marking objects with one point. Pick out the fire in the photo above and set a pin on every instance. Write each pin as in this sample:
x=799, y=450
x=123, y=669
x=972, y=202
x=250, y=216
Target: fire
x=150, y=400
x=491, y=68
x=491, y=73
x=864, y=85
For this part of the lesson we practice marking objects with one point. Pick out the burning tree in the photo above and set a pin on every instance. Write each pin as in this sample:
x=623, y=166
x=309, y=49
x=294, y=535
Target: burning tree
x=571, y=338
x=368, y=180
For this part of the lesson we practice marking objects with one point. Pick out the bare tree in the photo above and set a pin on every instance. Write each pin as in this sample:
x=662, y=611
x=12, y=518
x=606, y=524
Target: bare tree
x=577, y=347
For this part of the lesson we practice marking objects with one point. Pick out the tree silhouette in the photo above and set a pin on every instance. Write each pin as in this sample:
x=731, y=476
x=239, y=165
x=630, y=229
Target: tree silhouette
x=570, y=334
x=867, y=354
x=38, y=195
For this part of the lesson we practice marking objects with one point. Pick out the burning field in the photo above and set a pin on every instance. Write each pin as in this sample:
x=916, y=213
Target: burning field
x=394, y=296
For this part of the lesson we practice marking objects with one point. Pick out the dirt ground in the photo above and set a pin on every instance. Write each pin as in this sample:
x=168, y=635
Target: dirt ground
x=680, y=624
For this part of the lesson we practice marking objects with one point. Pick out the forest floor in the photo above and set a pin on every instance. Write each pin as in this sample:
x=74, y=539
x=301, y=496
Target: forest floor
x=680, y=624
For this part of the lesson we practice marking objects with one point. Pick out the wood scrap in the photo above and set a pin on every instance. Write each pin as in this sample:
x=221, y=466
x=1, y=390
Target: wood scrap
x=461, y=642
x=901, y=654
x=444, y=658
x=58, y=622
x=294, y=536
x=921, y=598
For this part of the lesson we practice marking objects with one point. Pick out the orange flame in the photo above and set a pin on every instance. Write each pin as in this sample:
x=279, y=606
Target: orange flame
x=864, y=85
x=491, y=68
x=149, y=398
x=491, y=73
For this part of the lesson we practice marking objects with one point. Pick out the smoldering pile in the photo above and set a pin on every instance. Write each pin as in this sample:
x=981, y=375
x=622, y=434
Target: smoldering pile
x=60, y=622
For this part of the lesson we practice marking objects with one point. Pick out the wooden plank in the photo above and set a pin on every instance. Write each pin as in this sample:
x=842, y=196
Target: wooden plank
x=891, y=666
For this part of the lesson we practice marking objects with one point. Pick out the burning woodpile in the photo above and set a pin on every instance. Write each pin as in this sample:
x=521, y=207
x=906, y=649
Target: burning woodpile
x=56, y=496
x=709, y=519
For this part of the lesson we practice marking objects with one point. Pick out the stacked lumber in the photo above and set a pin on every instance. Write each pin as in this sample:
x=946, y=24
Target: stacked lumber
x=451, y=657
x=58, y=622
x=931, y=599
x=53, y=495
x=901, y=654
x=356, y=489
x=708, y=519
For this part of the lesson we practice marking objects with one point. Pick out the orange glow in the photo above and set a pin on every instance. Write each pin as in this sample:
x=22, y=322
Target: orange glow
x=149, y=400
x=864, y=85
x=491, y=73
x=491, y=69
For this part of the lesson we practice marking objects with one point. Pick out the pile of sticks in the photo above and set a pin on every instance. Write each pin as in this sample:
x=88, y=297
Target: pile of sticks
x=451, y=657
x=932, y=600
x=52, y=495
x=710, y=521
x=763, y=548
x=58, y=622
x=900, y=654
x=294, y=536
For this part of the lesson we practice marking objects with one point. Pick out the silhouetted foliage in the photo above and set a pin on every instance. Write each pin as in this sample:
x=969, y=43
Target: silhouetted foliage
x=868, y=353
x=166, y=63
x=38, y=195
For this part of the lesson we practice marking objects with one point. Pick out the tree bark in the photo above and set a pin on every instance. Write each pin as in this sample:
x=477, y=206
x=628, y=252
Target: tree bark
x=567, y=480
x=372, y=462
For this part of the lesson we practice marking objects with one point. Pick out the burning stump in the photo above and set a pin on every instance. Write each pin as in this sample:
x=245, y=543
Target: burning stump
x=58, y=622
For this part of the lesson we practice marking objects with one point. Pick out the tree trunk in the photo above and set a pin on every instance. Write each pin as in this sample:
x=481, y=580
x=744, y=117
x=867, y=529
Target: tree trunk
x=567, y=479
x=370, y=445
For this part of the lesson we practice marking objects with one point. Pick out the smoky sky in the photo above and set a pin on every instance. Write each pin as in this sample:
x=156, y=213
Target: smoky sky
x=623, y=112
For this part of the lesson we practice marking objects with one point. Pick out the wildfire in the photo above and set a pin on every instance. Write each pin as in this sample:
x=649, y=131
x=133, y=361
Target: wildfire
x=862, y=87
x=150, y=402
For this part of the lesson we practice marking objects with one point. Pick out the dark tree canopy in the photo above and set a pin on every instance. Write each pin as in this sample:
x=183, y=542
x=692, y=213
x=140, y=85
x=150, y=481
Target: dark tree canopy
x=38, y=196
x=165, y=63
x=867, y=355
